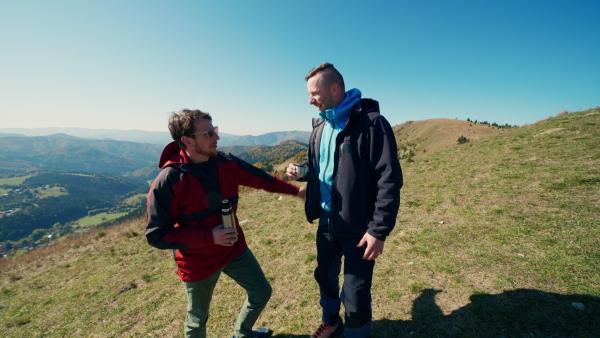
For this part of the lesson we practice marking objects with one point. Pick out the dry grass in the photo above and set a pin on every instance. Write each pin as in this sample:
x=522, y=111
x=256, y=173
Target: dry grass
x=497, y=237
x=433, y=135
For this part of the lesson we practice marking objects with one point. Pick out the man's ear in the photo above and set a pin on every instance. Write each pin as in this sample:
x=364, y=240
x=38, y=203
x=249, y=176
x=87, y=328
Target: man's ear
x=336, y=91
x=186, y=140
x=335, y=88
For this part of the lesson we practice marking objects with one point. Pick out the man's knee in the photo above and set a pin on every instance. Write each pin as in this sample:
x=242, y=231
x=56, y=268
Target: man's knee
x=195, y=324
x=268, y=291
x=322, y=275
x=261, y=296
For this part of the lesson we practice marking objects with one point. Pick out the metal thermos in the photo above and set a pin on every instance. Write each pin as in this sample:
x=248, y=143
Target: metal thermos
x=227, y=214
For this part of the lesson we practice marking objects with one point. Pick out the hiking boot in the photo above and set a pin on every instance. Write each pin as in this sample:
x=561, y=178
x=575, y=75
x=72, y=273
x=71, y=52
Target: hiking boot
x=261, y=332
x=326, y=330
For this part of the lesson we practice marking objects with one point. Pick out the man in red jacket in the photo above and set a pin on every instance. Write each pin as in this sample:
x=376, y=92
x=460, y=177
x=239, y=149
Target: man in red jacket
x=184, y=215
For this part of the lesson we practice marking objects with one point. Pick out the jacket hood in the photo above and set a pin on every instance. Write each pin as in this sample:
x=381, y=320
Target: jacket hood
x=172, y=154
x=368, y=106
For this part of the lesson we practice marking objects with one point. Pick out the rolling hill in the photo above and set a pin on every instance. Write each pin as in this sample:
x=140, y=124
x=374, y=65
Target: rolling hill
x=433, y=135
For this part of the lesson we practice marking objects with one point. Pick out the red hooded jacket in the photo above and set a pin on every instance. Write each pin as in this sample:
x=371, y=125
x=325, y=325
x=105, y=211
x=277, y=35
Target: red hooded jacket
x=184, y=205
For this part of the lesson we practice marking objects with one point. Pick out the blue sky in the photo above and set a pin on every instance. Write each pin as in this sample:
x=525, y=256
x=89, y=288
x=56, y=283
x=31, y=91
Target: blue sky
x=127, y=64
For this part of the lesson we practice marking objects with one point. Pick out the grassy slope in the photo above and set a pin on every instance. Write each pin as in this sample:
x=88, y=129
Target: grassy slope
x=518, y=244
x=434, y=135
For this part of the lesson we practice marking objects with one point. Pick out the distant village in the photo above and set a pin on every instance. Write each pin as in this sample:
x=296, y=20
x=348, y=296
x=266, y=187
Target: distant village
x=9, y=212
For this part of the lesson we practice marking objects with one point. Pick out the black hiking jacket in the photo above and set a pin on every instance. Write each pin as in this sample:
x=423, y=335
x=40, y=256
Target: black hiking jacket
x=366, y=179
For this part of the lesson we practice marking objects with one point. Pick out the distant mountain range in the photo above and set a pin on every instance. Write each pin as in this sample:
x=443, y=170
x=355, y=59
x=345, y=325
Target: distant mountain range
x=108, y=151
x=61, y=152
x=157, y=137
x=269, y=139
x=139, y=136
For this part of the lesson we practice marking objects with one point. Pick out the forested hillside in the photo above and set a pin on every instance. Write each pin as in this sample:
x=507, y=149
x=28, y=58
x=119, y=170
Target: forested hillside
x=45, y=199
x=269, y=157
x=269, y=139
x=46, y=203
x=238, y=150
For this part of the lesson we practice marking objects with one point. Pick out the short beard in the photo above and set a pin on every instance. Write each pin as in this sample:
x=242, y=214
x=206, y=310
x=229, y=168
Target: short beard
x=206, y=153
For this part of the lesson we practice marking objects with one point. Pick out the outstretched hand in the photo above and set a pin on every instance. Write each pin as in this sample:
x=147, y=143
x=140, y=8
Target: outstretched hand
x=224, y=237
x=374, y=247
x=290, y=172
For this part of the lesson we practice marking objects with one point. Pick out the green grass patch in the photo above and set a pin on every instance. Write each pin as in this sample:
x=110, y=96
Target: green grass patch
x=50, y=192
x=98, y=218
x=135, y=200
x=14, y=181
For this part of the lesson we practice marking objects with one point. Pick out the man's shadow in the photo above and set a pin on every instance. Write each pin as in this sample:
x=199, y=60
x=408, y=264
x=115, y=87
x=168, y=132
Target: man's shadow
x=514, y=313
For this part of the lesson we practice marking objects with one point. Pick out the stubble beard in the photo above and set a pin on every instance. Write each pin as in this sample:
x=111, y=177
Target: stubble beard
x=210, y=153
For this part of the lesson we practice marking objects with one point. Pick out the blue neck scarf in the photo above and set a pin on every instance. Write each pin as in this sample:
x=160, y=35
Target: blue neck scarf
x=338, y=115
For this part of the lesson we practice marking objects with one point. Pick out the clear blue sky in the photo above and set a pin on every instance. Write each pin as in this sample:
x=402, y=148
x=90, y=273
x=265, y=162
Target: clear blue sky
x=126, y=64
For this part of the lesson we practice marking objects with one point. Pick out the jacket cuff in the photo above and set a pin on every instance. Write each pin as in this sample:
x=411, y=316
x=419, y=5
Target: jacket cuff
x=377, y=235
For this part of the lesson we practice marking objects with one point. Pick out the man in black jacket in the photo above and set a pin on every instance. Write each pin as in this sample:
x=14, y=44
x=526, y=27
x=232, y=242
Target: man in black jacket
x=354, y=180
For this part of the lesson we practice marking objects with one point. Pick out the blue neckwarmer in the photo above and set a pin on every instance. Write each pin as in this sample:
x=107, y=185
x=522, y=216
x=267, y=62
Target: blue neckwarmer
x=338, y=115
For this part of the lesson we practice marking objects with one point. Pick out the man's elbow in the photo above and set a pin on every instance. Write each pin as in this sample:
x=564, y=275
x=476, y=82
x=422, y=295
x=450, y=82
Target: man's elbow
x=155, y=239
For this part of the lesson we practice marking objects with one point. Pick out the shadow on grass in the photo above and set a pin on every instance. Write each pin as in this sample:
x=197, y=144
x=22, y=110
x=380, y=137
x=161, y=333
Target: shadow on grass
x=515, y=313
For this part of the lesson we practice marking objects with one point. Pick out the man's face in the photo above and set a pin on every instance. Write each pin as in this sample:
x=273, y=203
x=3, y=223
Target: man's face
x=203, y=145
x=318, y=95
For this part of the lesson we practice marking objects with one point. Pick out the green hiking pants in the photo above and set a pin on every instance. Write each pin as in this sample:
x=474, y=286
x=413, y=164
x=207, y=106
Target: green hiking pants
x=245, y=271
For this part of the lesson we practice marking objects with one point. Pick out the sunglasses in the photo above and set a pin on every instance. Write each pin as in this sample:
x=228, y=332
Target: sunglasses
x=209, y=133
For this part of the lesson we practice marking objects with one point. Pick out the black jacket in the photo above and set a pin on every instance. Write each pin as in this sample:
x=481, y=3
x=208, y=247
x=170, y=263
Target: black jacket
x=366, y=179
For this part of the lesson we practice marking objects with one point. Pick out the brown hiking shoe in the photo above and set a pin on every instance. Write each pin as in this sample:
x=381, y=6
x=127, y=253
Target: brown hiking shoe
x=326, y=330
